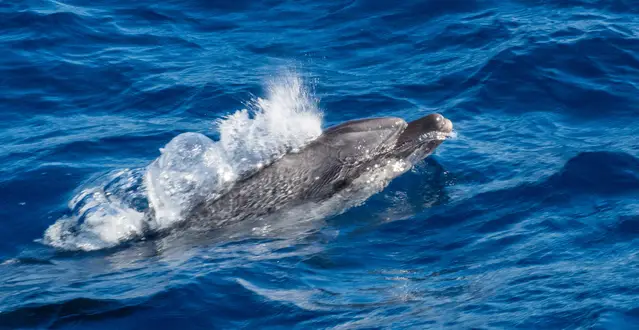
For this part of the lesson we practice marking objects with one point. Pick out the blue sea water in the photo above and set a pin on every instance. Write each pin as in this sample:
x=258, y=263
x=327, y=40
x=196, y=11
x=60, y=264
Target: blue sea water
x=528, y=218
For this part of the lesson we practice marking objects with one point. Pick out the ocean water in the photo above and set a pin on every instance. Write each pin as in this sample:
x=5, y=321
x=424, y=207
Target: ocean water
x=528, y=218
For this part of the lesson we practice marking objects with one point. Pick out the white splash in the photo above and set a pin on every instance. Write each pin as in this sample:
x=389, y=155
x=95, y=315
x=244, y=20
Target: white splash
x=191, y=168
x=103, y=215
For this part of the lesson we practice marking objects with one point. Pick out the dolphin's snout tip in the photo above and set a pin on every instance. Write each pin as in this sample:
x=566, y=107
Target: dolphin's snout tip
x=441, y=123
x=447, y=127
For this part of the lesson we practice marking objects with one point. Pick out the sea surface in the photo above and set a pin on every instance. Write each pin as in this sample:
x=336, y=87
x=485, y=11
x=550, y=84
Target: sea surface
x=527, y=218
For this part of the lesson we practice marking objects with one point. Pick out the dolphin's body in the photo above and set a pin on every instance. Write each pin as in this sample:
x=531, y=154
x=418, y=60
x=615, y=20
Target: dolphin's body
x=328, y=166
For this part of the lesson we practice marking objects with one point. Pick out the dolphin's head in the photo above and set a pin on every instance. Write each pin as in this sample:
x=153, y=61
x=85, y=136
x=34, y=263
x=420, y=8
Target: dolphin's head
x=421, y=137
x=361, y=141
x=344, y=151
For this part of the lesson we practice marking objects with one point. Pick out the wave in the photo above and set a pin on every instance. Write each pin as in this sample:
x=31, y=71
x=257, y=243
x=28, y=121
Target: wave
x=57, y=314
x=191, y=167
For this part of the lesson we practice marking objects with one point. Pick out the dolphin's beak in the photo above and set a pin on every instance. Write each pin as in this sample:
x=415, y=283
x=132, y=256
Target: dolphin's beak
x=447, y=127
x=434, y=123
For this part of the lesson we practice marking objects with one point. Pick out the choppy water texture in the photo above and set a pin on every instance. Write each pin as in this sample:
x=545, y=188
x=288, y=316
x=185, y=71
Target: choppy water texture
x=527, y=219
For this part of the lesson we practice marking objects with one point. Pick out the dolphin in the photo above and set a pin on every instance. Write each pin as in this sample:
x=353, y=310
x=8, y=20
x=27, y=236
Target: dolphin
x=333, y=164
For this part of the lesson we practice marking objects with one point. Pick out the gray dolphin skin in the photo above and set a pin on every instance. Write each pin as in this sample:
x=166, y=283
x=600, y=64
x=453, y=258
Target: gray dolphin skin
x=325, y=167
